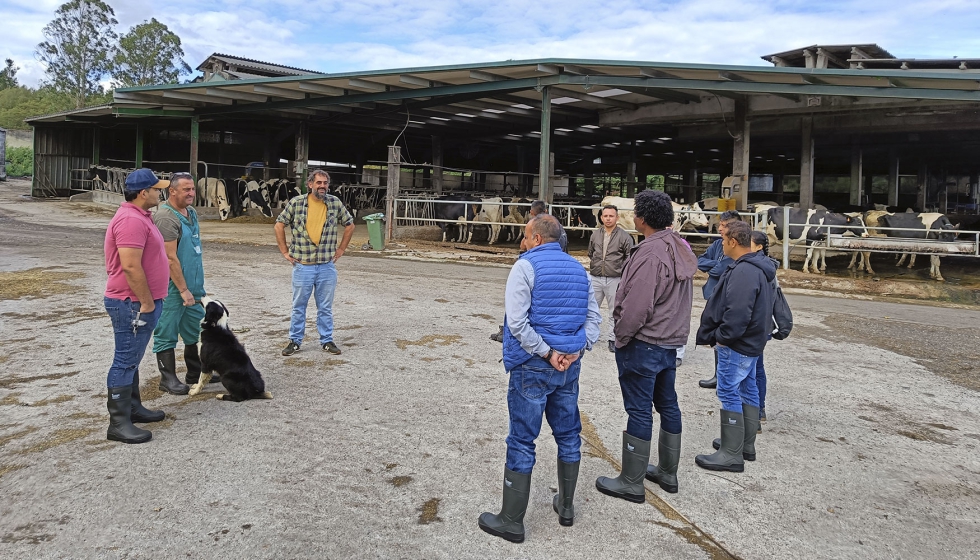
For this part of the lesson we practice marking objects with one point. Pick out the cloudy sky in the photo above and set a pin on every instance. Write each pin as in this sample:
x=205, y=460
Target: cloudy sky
x=349, y=35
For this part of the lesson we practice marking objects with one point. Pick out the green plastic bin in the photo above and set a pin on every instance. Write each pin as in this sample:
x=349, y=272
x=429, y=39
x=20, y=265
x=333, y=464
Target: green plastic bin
x=375, y=225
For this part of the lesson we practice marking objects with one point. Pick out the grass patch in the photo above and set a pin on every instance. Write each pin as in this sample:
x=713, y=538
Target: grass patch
x=400, y=481
x=7, y=469
x=36, y=283
x=53, y=400
x=8, y=382
x=429, y=512
x=58, y=437
x=430, y=341
x=4, y=440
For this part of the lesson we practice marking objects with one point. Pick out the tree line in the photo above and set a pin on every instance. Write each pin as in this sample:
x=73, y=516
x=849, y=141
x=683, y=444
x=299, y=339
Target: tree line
x=85, y=58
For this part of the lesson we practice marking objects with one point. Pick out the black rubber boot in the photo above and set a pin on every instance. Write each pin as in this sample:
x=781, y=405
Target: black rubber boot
x=168, y=379
x=138, y=412
x=751, y=416
x=713, y=382
x=729, y=455
x=193, y=362
x=629, y=484
x=664, y=473
x=562, y=502
x=509, y=523
x=120, y=407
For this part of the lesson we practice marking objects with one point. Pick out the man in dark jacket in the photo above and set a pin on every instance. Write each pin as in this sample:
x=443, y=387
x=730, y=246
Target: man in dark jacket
x=551, y=320
x=737, y=321
x=653, y=320
x=714, y=262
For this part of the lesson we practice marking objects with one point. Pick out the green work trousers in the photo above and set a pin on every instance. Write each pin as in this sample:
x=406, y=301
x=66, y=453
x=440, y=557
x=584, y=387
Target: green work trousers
x=177, y=319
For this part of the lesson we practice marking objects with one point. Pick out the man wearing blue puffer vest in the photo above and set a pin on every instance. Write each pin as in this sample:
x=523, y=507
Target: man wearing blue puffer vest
x=551, y=320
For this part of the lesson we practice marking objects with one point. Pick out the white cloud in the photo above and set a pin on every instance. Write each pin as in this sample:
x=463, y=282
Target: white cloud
x=340, y=35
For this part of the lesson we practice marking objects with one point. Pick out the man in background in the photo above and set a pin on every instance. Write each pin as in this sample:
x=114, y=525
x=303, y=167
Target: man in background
x=609, y=247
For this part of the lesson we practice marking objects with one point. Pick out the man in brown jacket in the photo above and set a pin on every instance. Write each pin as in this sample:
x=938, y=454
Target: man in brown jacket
x=653, y=319
x=608, y=250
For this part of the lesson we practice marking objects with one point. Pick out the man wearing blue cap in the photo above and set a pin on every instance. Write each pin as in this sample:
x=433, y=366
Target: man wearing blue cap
x=136, y=263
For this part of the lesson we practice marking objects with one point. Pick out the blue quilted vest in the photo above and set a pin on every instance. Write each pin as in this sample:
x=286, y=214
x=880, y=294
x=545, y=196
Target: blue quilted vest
x=559, y=304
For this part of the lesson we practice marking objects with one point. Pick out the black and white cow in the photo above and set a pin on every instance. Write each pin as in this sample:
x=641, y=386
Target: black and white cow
x=257, y=196
x=459, y=208
x=216, y=195
x=809, y=227
x=923, y=225
x=281, y=191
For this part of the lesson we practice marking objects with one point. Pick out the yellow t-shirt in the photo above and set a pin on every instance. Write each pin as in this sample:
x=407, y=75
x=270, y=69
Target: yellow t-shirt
x=316, y=216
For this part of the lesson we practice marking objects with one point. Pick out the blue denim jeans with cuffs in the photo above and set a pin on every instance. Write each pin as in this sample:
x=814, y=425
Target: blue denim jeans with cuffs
x=736, y=379
x=538, y=389
x=646, y=378
x=132, y=331
x=320, y=281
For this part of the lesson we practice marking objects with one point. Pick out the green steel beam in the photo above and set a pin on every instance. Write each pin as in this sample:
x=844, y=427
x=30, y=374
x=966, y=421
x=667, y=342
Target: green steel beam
x=195, y=143
x=484, y=87
x=135, y=112
x=777, y=89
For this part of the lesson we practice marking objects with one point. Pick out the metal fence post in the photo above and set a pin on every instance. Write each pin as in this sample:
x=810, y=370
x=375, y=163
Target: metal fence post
x=786, y=237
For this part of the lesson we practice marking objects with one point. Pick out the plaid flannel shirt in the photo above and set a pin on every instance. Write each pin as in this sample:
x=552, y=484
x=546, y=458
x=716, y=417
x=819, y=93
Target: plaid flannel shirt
x=302, y=247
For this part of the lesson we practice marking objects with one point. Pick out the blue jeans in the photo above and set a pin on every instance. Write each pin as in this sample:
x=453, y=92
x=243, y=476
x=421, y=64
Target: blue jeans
x=130, y=342
x=760, y=381
x=646, y=375
x=536, y=388
x=320, y=280
x=736, y=379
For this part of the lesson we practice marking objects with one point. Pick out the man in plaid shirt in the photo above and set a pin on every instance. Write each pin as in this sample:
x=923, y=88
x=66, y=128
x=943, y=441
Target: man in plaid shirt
x=314, y=220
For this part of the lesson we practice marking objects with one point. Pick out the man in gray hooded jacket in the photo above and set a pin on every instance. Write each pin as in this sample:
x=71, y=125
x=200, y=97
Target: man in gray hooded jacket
x=653, y=320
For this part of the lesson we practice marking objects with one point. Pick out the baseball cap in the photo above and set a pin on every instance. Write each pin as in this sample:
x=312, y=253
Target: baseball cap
x=142, y=179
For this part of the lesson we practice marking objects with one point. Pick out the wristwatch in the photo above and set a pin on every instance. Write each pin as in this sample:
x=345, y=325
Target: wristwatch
x=547, y=357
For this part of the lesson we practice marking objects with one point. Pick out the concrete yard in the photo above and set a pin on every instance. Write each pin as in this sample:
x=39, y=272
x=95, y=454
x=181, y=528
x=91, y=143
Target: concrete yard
x=394, y=448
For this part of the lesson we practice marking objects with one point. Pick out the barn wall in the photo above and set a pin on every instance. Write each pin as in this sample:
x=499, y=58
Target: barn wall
x=58, y=150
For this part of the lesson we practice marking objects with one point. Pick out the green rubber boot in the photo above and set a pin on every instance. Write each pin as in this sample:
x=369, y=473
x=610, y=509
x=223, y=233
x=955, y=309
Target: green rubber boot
x=751, y=416
x=562, y=502
x=729, y=455
x=509, y=523
x=665, y=472
x=629, y=484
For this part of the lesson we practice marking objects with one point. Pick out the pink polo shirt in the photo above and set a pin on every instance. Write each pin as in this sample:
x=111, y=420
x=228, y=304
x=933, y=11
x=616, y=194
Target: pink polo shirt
x=133, y=227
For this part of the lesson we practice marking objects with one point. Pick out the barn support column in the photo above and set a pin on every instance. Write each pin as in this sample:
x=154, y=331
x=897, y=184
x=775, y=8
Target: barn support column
x=740, y=155
x=857, y=174
x=777, y=188
x=359, y=166
x=139, y=147
x=195, y=154
x=893, y=180
x=691, y=185
x=96, y=144
x=394, y=179
x=631, y=172
x=302, y=158
x=589, y=179
x=267, y=155
x=923, y=187
x=437, y=164
x=806, y=165
x=544, y=167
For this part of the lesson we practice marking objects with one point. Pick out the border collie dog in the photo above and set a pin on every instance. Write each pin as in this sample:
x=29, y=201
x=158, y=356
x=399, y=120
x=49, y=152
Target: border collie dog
x=221, y=352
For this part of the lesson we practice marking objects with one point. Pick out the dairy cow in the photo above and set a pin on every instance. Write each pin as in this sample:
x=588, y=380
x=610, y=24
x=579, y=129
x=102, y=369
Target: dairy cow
x=923, y=225
x=458, y=208
x=490, y=211
x=216, y=195
x=809, y=227
x=257, y=196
